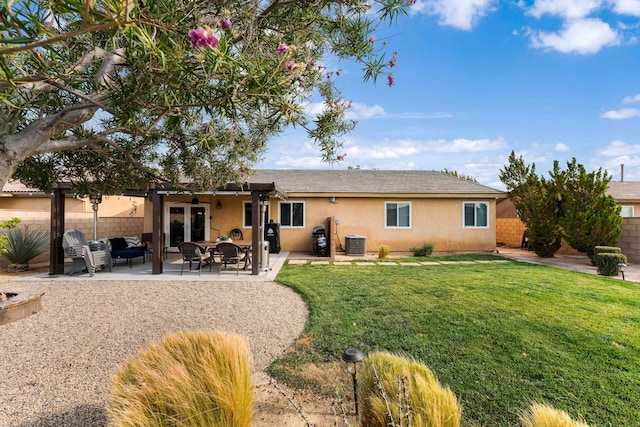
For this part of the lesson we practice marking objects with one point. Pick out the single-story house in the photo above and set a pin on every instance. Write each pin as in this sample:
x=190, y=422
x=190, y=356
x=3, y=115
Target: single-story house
x=400, y=209
x=626, y=193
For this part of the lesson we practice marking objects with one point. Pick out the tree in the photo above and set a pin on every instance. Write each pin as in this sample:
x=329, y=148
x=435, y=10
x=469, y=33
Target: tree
x=535, y=201
x=110, y=94
x=459, y=175
x=589, y=216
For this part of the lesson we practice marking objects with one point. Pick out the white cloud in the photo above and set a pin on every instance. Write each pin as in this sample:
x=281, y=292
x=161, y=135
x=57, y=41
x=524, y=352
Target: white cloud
x=568, y=9
x=626, y=7
x=585, y=36
x=625, y=113
x=359, y=111
x=461, y=14
x=561, y=147
x=630, y=99
x=619, y=148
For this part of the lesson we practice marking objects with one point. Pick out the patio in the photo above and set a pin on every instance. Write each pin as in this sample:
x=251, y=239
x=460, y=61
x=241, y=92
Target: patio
x=171, y=272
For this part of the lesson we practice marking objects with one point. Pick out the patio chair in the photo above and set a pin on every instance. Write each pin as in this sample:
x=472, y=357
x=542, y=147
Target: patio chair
x=230, y=253
x=236, y=234
x=194, y=252
x=83, y=255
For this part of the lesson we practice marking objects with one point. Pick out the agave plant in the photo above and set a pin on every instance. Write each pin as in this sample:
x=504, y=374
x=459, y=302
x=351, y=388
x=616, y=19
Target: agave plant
x=24, y=244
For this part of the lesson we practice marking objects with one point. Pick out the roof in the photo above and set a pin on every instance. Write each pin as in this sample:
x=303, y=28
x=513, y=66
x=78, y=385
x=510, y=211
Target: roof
x=358, y=181
x=17, y=187
x=624, y=191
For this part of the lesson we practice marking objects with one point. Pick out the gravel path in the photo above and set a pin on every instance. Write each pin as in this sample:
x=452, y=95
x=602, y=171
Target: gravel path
x=56, y=365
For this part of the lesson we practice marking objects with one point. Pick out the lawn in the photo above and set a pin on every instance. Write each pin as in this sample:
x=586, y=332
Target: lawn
x=501, y=335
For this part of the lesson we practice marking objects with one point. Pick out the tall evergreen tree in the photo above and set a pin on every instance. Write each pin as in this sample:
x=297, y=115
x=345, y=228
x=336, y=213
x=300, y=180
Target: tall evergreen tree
x=536, y=204
x=589, y=216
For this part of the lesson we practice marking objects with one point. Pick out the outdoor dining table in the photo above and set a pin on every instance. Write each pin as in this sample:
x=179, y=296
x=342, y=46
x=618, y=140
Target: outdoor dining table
x=245, y=245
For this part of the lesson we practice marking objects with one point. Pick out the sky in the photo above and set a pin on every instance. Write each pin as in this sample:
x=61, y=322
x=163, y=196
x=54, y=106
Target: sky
x=477, y=79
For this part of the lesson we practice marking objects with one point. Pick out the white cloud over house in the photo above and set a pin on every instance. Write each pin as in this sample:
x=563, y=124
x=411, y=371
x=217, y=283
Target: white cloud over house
x=461, y=14
x=624, y=113
x=583, y=36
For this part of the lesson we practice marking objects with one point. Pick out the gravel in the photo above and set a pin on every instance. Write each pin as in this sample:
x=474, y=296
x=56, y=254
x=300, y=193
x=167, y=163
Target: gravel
x=56, y=365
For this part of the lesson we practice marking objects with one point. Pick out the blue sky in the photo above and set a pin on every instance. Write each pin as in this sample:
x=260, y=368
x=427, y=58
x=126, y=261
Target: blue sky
x=476, y=79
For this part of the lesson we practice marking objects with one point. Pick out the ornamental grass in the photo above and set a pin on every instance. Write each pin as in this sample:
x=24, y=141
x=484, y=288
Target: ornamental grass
x=398, y=391
x=190, y=378
x=540, y=415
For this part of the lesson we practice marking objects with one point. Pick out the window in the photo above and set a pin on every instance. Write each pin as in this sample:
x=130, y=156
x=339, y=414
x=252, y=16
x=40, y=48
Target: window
x=626, y=211
x=397, y=215
x=475, y=214
x=292, y=214
x=248, y=215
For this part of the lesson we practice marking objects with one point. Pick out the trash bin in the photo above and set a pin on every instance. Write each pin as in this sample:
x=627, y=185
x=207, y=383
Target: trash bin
x=272, y=235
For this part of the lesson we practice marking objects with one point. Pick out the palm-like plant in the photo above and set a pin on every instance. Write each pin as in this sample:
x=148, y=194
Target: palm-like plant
x=24, y=244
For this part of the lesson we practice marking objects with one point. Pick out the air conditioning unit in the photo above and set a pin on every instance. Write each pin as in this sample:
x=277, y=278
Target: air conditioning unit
x=355, y=245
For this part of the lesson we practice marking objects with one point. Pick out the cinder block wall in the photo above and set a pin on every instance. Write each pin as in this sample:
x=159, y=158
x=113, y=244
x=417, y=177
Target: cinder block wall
x=509, y=232
x=629, y=240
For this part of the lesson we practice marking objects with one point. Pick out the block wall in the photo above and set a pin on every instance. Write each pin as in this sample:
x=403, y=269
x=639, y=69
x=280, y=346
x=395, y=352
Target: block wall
x=509, y=232
x=629, y=240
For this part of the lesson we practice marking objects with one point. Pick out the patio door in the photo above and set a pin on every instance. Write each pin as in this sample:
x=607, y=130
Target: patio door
x=186, y=222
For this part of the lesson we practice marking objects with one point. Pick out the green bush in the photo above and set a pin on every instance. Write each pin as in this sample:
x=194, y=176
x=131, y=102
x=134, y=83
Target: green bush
x=540, y=415
x=603, y=250
x=11, y=223
x=190, y=378
x=383, y=252
x=425, y=250
x=24, y=244
x=394, y=389
x=607, y=263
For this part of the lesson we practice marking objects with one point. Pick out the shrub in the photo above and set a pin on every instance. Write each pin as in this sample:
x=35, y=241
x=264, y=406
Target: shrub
x=540, y=415
x=394, y=387
x=11, y=223
x=603, y=250
x=425, y=250
x=607, y=263
x=383, y=252
x=190, y=378
x=24, y=244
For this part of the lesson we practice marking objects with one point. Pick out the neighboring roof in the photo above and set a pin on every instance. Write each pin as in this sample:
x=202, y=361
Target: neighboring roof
x=18, y=188
x=625, y=191
x=359, y=181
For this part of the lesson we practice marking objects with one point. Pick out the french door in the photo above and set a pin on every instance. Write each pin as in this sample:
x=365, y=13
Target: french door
x=186, y=222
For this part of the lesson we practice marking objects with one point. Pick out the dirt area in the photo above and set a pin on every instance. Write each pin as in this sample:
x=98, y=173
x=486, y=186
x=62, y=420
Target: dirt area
x=271, y=407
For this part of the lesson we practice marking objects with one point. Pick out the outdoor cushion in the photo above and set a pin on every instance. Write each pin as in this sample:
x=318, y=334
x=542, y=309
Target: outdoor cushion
x=120, y=249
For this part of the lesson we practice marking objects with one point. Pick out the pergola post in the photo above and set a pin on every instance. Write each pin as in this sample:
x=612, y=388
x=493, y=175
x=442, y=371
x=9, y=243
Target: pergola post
x=56, y=253
x=157, y=235
x=255, y=232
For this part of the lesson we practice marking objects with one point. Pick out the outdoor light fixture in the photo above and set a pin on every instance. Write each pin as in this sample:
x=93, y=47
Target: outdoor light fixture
x=95, y=200
x=352, y=356
x=195, y=201
x=333, y=199
x=621, y=267
x=219, y=205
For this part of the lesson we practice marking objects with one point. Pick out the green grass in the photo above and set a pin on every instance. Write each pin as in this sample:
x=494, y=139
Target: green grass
x=501, y=335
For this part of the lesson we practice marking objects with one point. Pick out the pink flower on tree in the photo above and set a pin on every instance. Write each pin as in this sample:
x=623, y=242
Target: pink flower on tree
x=225, y=24
x=291, y=65
x=392, y=62
x=282, y=48
x=203, y=37
x=390, y=80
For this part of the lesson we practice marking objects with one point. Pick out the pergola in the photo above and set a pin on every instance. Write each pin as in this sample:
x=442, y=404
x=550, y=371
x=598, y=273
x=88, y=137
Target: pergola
x=260, y=192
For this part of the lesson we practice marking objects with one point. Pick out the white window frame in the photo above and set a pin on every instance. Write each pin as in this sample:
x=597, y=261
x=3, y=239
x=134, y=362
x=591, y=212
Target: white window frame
x=244, y=214
x=403, y=203
x=475, y=219
x=628, y=208
x=304, y=213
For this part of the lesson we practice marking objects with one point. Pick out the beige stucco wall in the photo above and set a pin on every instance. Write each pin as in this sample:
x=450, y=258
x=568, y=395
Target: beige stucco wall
x=435, y=221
